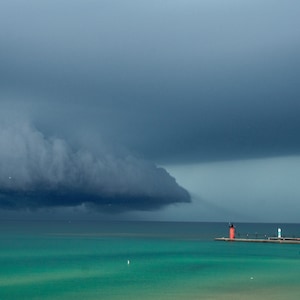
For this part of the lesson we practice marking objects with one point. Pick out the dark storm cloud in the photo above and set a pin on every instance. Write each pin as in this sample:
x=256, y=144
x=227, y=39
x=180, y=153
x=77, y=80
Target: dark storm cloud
x=37, y=172
x=173, y=81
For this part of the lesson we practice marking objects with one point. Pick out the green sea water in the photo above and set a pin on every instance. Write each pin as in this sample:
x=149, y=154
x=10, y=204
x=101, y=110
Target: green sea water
x=144, y=260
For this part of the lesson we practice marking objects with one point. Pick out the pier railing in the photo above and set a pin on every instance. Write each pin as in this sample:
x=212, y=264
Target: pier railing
x=255, y=235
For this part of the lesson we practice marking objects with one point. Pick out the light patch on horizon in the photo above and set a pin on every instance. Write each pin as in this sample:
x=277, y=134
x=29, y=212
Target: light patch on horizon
x=254, y=190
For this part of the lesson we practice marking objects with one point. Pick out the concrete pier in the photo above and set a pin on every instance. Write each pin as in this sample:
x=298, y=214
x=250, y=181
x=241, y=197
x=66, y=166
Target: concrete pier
x=286, y=240
x=278, y=240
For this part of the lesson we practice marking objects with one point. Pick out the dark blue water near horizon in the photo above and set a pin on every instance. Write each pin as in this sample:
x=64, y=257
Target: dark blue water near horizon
x=185, y=230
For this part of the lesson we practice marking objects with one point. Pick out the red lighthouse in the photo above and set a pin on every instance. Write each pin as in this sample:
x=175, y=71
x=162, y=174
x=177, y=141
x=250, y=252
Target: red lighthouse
x=231, y=232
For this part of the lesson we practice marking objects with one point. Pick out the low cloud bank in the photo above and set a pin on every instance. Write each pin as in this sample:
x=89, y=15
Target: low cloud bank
x=40, y=172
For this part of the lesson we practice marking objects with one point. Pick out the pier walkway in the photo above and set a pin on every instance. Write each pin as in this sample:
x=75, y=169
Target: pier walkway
x=283, y=240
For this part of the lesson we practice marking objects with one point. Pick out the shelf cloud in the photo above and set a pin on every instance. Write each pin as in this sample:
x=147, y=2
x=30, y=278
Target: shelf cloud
x=37, y=172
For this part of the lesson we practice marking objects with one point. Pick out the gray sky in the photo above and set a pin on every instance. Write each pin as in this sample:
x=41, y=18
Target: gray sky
x=136, y=84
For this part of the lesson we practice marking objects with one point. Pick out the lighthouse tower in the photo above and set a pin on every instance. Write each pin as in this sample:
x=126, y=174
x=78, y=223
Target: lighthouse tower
x=231, y=231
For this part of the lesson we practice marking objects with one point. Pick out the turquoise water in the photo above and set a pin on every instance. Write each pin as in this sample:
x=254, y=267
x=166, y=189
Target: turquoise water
x=89, y=260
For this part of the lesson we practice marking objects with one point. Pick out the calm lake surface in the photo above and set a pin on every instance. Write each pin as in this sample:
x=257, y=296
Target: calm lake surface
x=144, y=260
